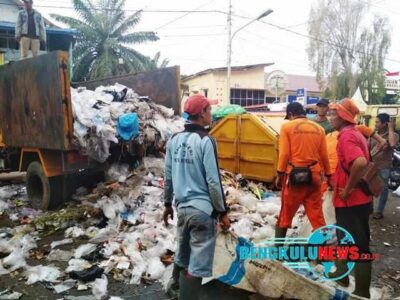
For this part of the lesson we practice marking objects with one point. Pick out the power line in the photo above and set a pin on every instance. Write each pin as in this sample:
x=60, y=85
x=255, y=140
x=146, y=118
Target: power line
x=191, y=35
x=287, y=29
x=127, y=9
x=184, y=15
x=312, y=37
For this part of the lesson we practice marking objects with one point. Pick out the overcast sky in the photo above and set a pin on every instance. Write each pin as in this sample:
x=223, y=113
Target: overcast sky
x=198, y=40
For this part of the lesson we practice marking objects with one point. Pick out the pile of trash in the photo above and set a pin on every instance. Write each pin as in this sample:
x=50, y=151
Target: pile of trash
x=254, y=209
x=116, y=232
x=114, y=114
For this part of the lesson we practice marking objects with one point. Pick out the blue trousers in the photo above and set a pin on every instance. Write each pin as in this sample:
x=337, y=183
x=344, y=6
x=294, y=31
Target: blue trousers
x=385, y=173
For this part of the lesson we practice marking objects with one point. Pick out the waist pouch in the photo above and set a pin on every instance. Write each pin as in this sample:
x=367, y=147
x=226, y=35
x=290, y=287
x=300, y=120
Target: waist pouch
x=301, y=175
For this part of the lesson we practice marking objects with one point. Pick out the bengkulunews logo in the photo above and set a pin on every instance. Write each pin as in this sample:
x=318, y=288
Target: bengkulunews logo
x=325, y=245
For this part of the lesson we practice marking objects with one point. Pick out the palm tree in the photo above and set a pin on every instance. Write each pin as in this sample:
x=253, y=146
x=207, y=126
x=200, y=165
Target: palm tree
x=104, y=33
x=157, y=62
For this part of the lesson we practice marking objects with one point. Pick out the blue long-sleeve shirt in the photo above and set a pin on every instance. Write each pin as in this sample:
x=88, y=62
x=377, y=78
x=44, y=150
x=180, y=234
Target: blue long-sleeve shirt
x=192, y=173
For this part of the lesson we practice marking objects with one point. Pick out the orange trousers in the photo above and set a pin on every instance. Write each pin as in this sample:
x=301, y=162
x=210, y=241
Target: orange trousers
x=308, y=195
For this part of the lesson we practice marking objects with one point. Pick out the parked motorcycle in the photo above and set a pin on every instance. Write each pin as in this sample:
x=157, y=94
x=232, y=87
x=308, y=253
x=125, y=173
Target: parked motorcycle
x=394, y=178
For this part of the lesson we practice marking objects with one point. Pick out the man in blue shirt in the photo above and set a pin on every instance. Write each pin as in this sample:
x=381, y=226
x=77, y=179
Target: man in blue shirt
x=192, y=178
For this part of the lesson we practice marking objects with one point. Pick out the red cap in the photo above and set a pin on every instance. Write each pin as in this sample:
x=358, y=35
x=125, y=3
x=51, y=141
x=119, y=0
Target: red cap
x=196, y=104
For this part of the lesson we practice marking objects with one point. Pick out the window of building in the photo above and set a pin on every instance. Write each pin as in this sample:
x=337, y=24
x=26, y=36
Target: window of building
x=3, y=42
x=245, y=97
x=12, y=43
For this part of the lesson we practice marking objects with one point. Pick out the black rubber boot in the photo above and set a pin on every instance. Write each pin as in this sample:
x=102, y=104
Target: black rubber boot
x=362, y=273
x=189, y=287
x=173, y=284
x=341, y=268
x=280, y=233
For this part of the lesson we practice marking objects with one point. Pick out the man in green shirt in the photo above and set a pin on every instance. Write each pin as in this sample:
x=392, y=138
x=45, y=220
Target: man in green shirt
x=321, y=119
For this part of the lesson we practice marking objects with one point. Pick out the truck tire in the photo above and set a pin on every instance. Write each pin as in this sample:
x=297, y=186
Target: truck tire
x=44, y=192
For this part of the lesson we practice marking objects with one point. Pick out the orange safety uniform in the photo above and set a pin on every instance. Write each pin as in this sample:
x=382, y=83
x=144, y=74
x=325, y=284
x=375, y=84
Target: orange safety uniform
x=301, y=143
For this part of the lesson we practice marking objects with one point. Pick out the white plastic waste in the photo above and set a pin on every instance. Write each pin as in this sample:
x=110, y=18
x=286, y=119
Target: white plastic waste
x=77, y=264
x=3, y=271
x=263, y=233
x=10, y=295
x=397, y=192
x=42, y=273
x=243, y=228
x=84, y=250
x=118, y=172
x=60, y=243
x=110, y=248
x=155, y=268
x=65, y=286
x=249, y=201
x=100, y=110
x=99, y=287
x=8, y=191
x=74, y=232
x=3, y=206
x=59, y=255
x=15, y=260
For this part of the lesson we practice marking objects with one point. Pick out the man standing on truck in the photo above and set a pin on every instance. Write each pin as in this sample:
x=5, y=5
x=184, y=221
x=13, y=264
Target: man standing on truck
x=192, y=177
x=385, y=128
x=303, y=158
x=321, y=118
x=29, y=30
x=352, y=205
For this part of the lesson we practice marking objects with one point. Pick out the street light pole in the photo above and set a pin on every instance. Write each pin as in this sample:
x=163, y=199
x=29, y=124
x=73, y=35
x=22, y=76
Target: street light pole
x=228, y=63
x=230, y=38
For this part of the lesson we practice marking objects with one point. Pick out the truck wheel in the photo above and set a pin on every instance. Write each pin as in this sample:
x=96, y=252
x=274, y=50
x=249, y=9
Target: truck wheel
x=43, y=192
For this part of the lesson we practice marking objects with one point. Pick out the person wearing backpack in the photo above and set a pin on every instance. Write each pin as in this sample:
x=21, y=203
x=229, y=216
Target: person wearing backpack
x=352, y=203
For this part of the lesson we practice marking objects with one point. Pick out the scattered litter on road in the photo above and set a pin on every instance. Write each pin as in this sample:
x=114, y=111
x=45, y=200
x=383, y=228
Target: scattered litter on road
x=60, y=243
x=65, y=286
x=99, y=287
x=84, y=250
x=10, y=295
x=387, y=244
x=59, y=255
x=42, y=273
x=87, y=275
x=74, y=232
x=77, y=264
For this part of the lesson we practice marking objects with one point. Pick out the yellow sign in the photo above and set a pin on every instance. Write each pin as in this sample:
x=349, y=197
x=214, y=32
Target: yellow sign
x=1, y=59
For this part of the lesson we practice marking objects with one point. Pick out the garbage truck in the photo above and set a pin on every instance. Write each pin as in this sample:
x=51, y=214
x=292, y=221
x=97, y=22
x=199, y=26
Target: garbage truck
x=36, y=120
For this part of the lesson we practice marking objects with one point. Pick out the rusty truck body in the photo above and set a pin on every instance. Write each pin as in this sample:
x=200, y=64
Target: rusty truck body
x=36, y=120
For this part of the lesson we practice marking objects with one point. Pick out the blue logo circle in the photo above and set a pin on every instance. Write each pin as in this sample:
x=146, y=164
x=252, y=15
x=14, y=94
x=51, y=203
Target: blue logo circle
x=330, y=235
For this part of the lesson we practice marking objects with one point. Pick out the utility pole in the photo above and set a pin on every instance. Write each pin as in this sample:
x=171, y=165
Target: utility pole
x=229, y=54
x=230, y=38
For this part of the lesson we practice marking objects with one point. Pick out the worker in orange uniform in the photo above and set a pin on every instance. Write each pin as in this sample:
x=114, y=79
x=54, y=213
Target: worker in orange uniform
x=303, y=159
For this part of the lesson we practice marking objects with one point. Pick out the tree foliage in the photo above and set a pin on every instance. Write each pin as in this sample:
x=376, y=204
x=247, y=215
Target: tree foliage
x=343, y=52
x=372, y=48
x=103, y=40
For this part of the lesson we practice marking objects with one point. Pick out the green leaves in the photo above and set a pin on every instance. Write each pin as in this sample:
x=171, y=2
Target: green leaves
x=104, y=34
x=345, y=55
